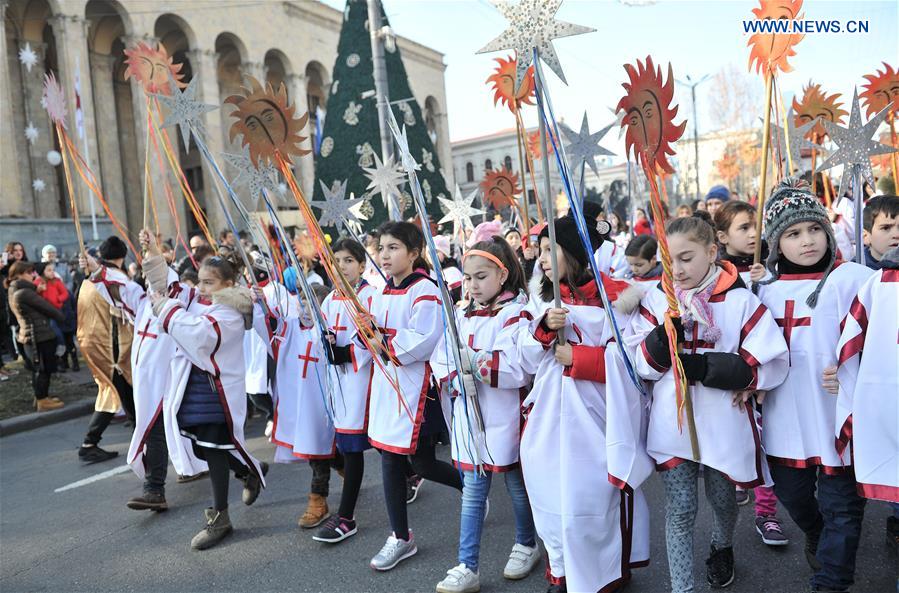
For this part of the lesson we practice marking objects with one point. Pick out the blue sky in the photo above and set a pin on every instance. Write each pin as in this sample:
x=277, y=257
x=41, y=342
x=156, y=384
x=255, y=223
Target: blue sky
x=697, y=37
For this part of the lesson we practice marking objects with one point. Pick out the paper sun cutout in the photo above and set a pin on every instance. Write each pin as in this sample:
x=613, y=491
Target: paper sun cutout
x=534, y=145
x=816, y=104
x=267, y=122
x=503, y=79
x=54, y=100
x=532, y=25
x=583, y=147
x=153, y=68
x=186, y=111
x=335, y=208
x=882, y=88
x=771, y=50
x=459, y=210
x=31, y=133
x=500, y=188
x=27, y=57
x=384, y=178
x=649, y=115
x=856, y=145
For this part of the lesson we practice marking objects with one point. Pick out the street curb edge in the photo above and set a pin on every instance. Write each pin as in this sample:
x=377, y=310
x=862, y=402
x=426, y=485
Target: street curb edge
x=34, y=420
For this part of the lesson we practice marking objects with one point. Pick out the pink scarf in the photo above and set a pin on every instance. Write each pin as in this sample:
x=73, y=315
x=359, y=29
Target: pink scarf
x=694, y=306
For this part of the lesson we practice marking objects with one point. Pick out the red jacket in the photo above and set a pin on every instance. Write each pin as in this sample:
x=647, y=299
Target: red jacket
x=56, y=292
x=641, y=227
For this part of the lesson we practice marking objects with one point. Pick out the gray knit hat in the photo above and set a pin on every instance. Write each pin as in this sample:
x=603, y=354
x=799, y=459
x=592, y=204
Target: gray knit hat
x=792, y=202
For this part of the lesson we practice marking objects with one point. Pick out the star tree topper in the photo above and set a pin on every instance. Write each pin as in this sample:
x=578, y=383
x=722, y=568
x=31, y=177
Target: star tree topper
x=185, y=111
x=583, y=147
x=384, y=178
x=532, y=24
x=459, y=210
x=335, y=208
x=797, y=137
x=855, y=144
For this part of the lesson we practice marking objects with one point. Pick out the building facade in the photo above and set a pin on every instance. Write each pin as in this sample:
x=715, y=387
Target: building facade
x=219, y=41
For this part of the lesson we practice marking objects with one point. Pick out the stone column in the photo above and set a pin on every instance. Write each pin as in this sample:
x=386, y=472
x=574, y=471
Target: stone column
x=304, y=166
x=204, y=67
x=14, y=200
x=109, y=152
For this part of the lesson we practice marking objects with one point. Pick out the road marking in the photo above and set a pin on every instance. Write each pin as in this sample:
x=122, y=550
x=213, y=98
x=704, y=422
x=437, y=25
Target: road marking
x=101, y=476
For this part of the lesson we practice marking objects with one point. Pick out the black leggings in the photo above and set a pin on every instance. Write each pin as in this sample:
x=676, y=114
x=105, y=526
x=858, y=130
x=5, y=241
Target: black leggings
x=354, y=469
x=426, y=465
x=221, y=462
x=41, y=361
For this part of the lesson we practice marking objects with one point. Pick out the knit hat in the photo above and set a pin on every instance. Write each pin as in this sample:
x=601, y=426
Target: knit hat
x=792, y=202
x=113, y=248
x=591, y=211
x=718, y=192
x=484, y=232
x=45, y=251
x=567, y=237
x=442, y=243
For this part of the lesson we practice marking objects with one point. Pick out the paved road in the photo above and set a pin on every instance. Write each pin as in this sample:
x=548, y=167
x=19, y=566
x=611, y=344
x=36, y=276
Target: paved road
x=85, y=539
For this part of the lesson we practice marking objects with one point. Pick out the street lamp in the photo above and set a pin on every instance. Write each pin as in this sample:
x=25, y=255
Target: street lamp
x=690, y=83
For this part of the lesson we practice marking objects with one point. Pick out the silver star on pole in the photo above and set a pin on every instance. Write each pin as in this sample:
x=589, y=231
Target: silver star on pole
x=855, y=144
x=185, y=111
x=583, y=147
x=797, y=138
x=459, y=210
x=402, y=145
x=384, y=178
x=335, y=208
x=532, y=25
x=254, y=179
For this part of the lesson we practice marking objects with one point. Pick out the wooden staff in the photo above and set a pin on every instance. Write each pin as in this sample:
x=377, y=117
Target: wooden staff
x=530, y=164
x=891, y=118
x=783, y=114
x=766, y=135
x=526, y=224
x=70, y=188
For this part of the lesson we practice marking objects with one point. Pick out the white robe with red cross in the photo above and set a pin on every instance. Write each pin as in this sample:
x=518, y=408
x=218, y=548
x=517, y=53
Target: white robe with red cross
x=256, y=352
x=582, y=448
x=411, y=321
x=493, y=334
x=799, y=413
x=350, y=382
x=302, y=427
x=729, y=436
x=867, y=414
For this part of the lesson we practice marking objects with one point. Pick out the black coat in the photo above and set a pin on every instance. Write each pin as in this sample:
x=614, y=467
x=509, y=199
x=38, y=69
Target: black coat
x=33, y=313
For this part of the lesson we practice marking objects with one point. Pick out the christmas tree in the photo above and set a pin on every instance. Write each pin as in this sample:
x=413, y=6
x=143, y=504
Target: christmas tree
x=351, y=136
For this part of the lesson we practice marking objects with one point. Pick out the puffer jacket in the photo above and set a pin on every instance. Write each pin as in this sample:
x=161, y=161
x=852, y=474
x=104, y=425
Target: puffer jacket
x=33, y=312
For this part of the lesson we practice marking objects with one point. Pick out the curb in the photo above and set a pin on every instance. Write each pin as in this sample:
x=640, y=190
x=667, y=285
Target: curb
x=26, y=422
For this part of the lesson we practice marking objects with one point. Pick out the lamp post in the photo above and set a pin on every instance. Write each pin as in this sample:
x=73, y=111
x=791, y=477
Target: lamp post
x=693, y=84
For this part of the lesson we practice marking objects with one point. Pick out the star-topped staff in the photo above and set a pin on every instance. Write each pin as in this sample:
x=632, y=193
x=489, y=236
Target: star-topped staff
x=855, y=147
x=336, y=210
x=385, y=178
x=583, y=148
x=459, y=210
x=185, y=111
x=255, y=179
x=795, y=138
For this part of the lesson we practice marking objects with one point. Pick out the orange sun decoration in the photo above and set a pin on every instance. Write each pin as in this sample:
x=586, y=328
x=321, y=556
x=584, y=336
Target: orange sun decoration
x=815, y=103
x=500, y=188
x=503, y=79
x=266, y=121
x=771, y=50
x=649, y=115
x=533, y=145
x=882, y=88
x=153, y=68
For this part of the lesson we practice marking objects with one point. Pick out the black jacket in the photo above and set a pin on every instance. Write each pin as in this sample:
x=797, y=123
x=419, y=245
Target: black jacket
x=32, y=312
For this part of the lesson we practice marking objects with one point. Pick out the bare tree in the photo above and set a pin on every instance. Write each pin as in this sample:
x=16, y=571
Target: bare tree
x=734, y=99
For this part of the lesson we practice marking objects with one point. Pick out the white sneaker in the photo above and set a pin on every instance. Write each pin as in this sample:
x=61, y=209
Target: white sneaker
x=521, y=562
x=394, y=551
x=459, y=579
x=269, y=426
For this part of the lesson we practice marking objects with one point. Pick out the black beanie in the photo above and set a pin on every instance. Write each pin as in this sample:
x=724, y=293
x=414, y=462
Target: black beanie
x=113, y=248
x=567, y=237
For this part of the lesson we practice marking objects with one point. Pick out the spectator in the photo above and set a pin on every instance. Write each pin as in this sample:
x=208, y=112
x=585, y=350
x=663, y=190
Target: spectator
x=196, y=241
x=226, y=237
x=245, y=239
x=683, y=211
x=716, y=198
x=168, y=252
x=50, y=255
x=52, y=289
x=697, y=205
x=37, y=342
x=641, y=225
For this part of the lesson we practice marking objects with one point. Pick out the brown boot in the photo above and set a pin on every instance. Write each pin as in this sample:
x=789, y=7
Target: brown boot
x=218, y=526
x=316, y=512
x=48, y=403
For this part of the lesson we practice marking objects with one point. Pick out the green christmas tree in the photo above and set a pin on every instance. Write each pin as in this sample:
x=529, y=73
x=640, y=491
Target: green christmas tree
x=351, y=136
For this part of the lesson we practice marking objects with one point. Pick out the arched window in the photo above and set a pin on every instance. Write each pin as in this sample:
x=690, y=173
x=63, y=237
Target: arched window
x=488, y=165
x=469, y=172
x=507, y=162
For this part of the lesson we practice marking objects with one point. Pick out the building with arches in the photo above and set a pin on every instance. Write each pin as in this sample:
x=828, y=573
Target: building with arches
x=219, y=41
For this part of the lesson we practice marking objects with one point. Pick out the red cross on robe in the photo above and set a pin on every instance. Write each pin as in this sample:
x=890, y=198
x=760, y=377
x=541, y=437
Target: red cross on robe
x=307, y=358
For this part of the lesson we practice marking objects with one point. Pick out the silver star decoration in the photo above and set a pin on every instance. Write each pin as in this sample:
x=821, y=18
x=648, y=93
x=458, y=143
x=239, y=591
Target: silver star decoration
x=402, y=144
x=583, y=147
x=855, y=144
x=797, y=139
x=619, y=117
x=31, y=133
x=459, y=210
x=255, y=179
x=335, y=208
x=384, y=178
x=38, y=185
x=532, y=25
x=27, y=57
x=185, y=111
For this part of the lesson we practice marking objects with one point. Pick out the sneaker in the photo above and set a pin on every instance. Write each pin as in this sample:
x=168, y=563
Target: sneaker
x=413, y=486
x=394, y=551
x=893, y=532
x=269, y=426
x=150, y=501
x=720, y=567
x=459, y=579
x=193, y=478
x=89, y=455
x=742, y=497
x=336, y=529
x=521, y=562
x=811, y=550
x=770, y=530
x=218, y=527
x=252, y=485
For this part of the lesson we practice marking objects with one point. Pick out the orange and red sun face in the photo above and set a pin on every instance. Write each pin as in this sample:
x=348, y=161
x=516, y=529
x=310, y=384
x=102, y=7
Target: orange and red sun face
x=500, y=188
x=815, y=103
x=881, y=90
x=503, y=79
x=771, y=50
x=266, y=123
x=153, y=68
x=649, y=115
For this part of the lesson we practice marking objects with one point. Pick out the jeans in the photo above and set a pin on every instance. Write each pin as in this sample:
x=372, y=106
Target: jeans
x=321, y=474
x=40, y=359
x=156, y=459
x=475, y=489
x=836, y=513
x=99, y=423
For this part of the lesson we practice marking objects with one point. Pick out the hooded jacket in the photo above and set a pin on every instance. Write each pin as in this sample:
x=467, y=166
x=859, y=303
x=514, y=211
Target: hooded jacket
x=33, y=312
